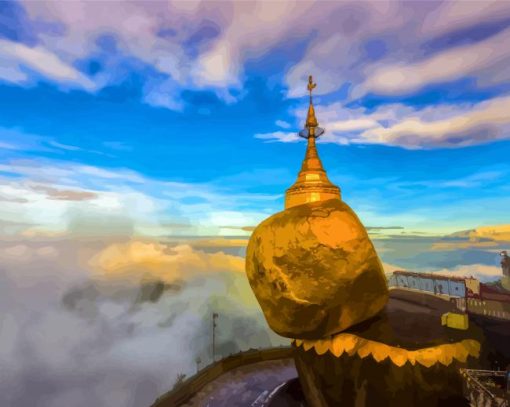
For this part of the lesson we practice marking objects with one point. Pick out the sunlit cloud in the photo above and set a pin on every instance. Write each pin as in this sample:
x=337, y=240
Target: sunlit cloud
x=64, y=197
x=484, y=237
x=156, y=261
x=64, y=194
x=243, y=228
x=219, y=244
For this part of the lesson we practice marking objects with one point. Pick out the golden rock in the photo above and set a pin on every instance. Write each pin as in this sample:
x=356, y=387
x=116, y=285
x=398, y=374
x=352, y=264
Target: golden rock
x=405, y=344
x=314, y=270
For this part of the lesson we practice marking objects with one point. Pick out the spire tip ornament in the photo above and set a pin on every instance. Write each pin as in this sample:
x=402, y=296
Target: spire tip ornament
x=312, y=128
x=311, y=86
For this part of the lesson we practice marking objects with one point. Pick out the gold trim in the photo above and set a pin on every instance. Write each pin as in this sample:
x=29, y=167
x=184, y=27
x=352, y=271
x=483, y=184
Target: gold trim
x=350, y=344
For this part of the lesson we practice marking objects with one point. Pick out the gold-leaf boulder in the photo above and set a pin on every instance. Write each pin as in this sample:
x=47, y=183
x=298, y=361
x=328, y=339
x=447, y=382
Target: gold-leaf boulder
x=314, y=270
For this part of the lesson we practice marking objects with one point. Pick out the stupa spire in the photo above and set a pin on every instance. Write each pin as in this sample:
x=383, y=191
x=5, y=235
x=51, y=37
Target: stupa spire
x=312, y=183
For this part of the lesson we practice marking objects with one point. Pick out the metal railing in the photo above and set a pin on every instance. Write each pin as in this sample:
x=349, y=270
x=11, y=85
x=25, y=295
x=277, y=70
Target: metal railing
x=184, y=391
x=478, y=393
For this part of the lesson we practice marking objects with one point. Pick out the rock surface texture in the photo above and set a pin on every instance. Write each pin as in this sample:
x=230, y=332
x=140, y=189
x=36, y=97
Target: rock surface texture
x=314, y=270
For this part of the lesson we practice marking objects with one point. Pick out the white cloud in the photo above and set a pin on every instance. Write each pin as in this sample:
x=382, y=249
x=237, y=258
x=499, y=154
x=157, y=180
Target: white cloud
x=19, y=140
x=398, y=34
x=16, y=139
x=283, y=124
x=17, y=57
x=485, y=122
x=163, y=94
x=64, y=197
x=217, y=68
x=155, y=34
x=63, y=146
x=354, y=124
x=282, y=136
x=10, y=72
x=440, y=126
x=445, y=66
x=482, y=272
x=455, y=15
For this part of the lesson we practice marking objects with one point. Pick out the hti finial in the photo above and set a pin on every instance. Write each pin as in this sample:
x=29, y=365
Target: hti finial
x=311, y=120
x=311, y=85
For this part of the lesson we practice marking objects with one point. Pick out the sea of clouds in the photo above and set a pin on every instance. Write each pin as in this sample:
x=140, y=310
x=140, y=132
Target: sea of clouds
x=113, y=322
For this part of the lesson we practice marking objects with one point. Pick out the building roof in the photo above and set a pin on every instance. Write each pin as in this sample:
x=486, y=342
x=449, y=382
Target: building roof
x=428, y=275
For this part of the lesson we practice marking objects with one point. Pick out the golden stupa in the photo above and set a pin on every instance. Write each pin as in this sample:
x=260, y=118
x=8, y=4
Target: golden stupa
x=312, y=266
x=312, y=184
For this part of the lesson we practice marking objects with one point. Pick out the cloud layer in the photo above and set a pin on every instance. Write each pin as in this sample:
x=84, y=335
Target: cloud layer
x=156, y=261
x=440, y=126
x=113, y=322
x=82, y=335
x=65, y=197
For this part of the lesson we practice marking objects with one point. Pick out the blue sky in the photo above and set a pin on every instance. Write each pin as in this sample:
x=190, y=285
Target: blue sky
x=180, y=117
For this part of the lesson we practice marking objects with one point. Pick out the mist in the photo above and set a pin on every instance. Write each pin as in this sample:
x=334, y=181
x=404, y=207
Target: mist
x=75, y=333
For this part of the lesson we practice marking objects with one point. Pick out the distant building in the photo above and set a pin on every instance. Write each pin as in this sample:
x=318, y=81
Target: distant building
x=472, y=287
x=505, y=268
x=491, y=301
x=467, y=293
x=505, y=263
x=433, y=283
